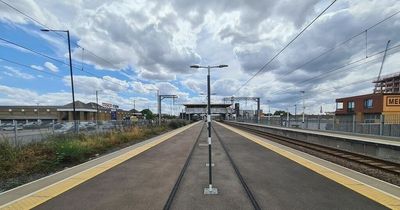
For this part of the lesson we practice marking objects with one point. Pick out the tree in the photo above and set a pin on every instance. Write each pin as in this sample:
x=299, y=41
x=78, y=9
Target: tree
x=148, y=114
x=279, y=112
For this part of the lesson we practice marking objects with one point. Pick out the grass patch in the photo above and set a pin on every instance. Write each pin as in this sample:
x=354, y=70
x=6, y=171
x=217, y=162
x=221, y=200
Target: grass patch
x=19, y=165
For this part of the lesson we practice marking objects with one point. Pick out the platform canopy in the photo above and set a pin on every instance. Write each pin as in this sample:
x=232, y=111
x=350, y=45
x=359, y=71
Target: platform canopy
x=202, y=108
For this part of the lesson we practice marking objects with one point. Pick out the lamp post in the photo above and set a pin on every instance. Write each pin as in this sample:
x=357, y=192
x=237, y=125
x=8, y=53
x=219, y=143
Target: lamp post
x=97, y=110
x=269, y=112
x=70, y=70
x=304, y=107
x=209, y=189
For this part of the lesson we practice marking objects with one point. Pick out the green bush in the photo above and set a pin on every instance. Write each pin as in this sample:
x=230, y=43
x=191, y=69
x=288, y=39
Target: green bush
x=71, y=151
x=176, y=123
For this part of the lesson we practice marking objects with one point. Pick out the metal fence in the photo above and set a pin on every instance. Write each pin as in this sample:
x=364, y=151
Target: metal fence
x=17, y=133
x=384, y=125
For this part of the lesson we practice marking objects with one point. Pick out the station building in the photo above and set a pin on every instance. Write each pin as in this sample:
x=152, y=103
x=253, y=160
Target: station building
x=84, y=112
x=368, y=108
x=198, y=111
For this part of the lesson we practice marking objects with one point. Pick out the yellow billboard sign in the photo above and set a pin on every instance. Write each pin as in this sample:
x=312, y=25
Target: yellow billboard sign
x=391, y=103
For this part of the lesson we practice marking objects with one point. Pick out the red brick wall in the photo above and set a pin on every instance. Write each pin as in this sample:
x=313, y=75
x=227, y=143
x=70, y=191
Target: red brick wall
x=377, y=106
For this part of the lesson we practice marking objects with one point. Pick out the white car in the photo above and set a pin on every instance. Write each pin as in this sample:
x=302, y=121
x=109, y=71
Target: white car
x=11, y=128
x=64, y=129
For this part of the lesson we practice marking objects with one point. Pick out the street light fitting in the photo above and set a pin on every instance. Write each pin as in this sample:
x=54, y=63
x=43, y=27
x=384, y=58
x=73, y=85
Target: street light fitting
x=203, y=94
x=195, y=66
x=47, y=30
x=222, y=66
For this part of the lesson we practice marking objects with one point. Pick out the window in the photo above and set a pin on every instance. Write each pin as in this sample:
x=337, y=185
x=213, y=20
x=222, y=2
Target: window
x=368, y=103
x=350, y=106
x=339, y=105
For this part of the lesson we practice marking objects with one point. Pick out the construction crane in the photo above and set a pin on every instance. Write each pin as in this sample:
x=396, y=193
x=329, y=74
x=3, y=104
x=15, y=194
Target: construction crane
x=380, y=70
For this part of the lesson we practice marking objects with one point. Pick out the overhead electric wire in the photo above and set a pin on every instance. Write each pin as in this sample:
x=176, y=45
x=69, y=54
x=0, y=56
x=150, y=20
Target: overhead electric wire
x=30, y=18
x=346, y=85
x=38, y=22
x=339, y=68
x=342, y=43
x=287, y=45
x=34, y=51
x=57, y=60
x=24, y=65
x=351, y=63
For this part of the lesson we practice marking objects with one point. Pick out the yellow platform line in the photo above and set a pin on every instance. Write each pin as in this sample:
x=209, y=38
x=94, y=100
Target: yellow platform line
x=386, y=199
x=38, y=197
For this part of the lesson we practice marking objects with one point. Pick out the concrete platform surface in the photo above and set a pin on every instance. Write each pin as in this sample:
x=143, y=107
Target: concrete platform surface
x=279, y=183
x=277, y=176
x=142, y=182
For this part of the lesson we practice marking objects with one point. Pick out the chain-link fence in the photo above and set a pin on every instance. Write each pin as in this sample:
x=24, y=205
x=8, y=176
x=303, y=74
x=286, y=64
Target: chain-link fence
x=20, y=133
x=383, y=125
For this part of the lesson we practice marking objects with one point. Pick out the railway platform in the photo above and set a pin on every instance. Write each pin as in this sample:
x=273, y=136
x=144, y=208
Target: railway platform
x=387, y=148
x=170, y=172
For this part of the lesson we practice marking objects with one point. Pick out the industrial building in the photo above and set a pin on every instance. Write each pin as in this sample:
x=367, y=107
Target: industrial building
x=84, y=112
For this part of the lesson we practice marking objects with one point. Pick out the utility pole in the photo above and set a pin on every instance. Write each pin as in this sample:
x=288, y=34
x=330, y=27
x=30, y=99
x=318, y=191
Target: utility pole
x=97, y=108
x=269, y=112
x=38, y=119
x=304, y=108
x=287, y=117
x=159, y=107
x=295, y=113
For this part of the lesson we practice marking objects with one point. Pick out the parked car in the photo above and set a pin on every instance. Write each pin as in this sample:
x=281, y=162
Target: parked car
x=29, y=125
x=64, y=129
x=11, y=128
x=91, y=126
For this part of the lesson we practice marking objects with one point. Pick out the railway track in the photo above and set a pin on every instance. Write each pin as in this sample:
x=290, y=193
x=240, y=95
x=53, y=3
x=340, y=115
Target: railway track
x=371, y=162
x=250, y=195
x=238, y=174
x=171, y=196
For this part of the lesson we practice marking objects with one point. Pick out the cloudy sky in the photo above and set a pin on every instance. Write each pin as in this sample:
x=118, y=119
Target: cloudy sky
x=126, y=49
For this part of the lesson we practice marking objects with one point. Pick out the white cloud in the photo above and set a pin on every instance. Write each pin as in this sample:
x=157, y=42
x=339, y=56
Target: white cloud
x=195, y=85
x=51, y=67
x=17, y=73
x=89, y=85
x=158, y=40
x=37, y=67
x=139, y=87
